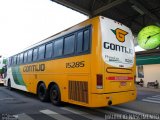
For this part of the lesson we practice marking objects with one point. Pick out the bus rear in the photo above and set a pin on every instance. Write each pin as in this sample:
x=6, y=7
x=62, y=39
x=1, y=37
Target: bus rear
x=114, y=76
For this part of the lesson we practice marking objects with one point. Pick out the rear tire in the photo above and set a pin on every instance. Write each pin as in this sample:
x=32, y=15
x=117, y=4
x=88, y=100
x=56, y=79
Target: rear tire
x=55, y=95
x=9, y=85
x=42, y=92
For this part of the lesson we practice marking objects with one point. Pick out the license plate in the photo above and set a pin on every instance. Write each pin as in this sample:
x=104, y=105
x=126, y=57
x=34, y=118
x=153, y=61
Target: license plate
x=123, y=83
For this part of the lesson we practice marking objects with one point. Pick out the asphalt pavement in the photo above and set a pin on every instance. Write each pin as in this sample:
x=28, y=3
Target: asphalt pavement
x=21, y=105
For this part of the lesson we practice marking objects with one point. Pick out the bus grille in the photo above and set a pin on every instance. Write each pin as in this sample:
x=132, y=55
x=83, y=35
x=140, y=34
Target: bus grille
x=78, y=91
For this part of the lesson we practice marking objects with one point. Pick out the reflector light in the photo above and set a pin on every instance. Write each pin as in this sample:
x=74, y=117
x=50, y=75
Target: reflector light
x=119, y=78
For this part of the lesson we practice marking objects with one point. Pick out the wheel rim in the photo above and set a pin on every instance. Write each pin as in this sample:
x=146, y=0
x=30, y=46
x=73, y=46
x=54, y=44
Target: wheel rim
x=54, y=94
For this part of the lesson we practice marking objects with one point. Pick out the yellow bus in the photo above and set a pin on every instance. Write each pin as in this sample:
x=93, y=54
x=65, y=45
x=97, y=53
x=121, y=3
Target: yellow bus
x=91, y=64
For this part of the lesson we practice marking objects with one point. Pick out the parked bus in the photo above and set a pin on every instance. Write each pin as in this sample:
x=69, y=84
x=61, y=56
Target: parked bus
x=91, y=64
x=2, y=69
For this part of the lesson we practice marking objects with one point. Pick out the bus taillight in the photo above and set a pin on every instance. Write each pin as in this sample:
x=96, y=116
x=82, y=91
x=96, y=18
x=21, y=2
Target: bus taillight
x=99, y=81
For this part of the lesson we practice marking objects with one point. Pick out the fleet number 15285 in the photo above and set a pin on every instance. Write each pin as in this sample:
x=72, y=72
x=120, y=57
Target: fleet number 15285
x=75, y=64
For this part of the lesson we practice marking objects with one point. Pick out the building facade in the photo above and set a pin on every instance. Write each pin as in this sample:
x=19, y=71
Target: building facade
x=148, y=66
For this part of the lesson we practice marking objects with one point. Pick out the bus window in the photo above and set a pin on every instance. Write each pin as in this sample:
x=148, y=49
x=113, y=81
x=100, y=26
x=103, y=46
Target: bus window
x=9, y=62
x=18, y=59
x=35, y=54
x=79, y=42
x=83, y=41
x=30, y=55
x=58, y=47
x=69, y=45
x=21, y=58
x=15, y=60
x=86, y=40
x=25, y=57
x=48, y=50
x=41, y=52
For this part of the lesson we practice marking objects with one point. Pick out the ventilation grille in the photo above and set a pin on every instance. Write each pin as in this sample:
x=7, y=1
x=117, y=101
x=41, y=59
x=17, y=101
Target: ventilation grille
x=78, y=91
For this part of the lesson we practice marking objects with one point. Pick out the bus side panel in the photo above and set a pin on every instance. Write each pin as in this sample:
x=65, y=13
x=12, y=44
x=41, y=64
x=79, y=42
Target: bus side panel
x=75, y=68
x=16, y=79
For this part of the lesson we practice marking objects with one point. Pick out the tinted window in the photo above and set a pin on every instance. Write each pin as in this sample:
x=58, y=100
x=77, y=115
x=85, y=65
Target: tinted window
x=9, y=63
x=58, y=47
x=25, y=57
x=86, y=40
x=69, y=44
x=80, y=42
x=15, y=60
x=35, y=54
x=48, y=50
x=18, y=59
x=41, y=52
x=21, y=58
x=12, y=60
x=30, y=55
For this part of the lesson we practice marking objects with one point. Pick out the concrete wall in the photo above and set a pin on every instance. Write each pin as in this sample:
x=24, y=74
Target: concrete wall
x=151, y=73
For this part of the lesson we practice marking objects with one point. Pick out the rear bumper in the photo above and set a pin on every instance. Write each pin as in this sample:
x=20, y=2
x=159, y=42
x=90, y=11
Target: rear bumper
x=107, y=99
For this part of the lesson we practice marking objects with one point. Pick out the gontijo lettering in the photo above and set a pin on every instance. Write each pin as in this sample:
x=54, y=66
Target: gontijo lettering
x=34, y=68
x=116, y=47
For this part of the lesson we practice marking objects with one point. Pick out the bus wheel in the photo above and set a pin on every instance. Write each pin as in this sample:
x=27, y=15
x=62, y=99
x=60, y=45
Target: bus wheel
x=55, y=95
x=9, y=85
x=42, y=92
